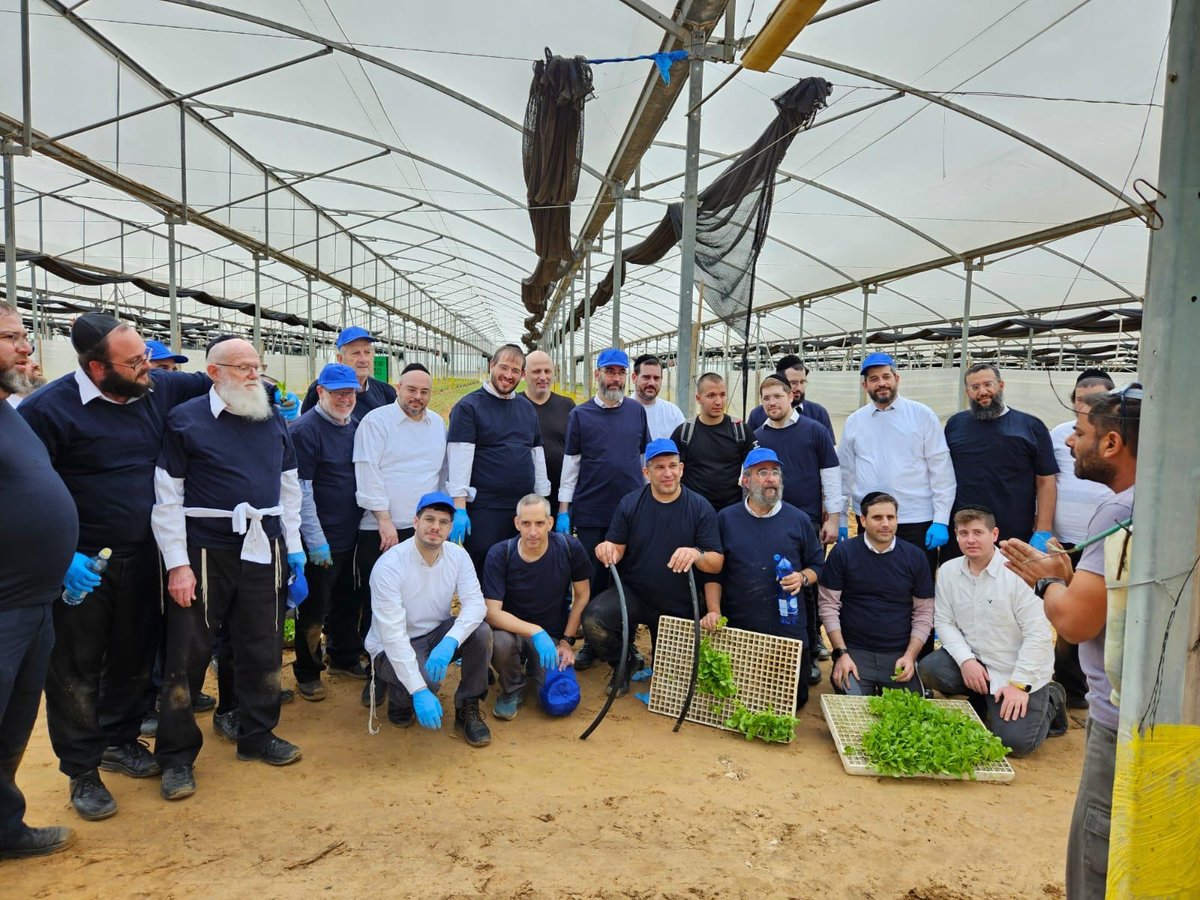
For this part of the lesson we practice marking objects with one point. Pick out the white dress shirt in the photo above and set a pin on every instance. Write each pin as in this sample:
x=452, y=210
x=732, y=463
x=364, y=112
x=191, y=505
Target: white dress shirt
x=996, y=618
x=168, y=518
x=902, y=451
x=460, y=459
x=1077, y=500
x=396, y=462
x=662, y=417
x=89, y=392
x=410, y=598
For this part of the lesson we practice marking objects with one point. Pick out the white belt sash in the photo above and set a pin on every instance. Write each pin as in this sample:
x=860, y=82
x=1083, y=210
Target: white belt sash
x=247, y=520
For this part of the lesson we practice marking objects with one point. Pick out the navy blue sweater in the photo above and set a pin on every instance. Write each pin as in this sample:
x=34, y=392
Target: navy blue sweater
x=804, y=449
x=877, y=592
x=504, y=433
x=609, y=442
x=325, y=456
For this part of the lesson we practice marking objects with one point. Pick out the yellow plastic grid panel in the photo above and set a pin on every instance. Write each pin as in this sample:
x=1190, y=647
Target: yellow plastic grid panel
x=766, y=669
x=848, y=718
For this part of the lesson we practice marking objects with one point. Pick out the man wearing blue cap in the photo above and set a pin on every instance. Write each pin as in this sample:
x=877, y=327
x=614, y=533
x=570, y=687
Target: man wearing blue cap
x=896, y=445
x=355, y=348
x=658, y=533
x=329, y=514
x=528, y=582
x=755, y=534
x=495, y=456
x=414, y=636
x=161, y=357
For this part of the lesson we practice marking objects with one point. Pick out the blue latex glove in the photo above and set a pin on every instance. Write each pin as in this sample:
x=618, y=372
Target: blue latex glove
x=936, y=536
x=1041, y=541
x=461, y=527
x=439, y=659
x=296, y=563
x=562, y=523
x=80, y=578
x=320, y=556
x=289, y=406
x=843, y=533
x=546, y=649
x=428, y=709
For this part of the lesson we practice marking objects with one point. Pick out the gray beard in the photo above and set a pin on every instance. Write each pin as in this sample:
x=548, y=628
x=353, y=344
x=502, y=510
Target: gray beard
x=759, y=496
x=14, y=382
x=988, y=413
x=611, y=397
x=249, y=403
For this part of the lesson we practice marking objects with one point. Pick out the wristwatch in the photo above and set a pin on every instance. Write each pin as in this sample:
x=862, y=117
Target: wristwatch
x=1021, y=687
x=1042, y=583
x=838, y=653
x=570, y=640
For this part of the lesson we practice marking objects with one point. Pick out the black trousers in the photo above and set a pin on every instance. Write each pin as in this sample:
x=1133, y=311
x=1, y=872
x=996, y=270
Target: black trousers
x=488, y=528
x=914, y=533
x=590, y=537
x=324, y=584
x=247, y=597
x=26, y=639
x=96, y=684
x=349, y=616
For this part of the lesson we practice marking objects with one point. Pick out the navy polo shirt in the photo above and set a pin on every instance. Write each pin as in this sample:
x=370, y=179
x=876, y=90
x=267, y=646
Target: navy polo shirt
x=609, y=442
x=804, y=449
x=877, y=592
x=106, y=453
x=809, y=409
x=536, y=592
x=996, y=463
x=325, y=456
x=504, y=433
x=652, y=531
x=376, y=394
x=749, y=589
x=39, y=528
x=225, y=460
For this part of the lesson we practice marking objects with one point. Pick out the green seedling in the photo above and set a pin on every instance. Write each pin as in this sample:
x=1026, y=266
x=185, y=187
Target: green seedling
x=766, y=725
x=715, y=676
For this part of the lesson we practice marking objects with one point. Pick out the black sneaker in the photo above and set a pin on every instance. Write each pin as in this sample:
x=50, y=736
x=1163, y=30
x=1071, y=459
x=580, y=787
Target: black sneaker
x=823, y=654
x=37, y=842
x=585, y=658
x=203, y=703
x=133, y=759
x=401, y=718
x=91, y=798
x=312, y=691
x=286, y=695
x=226, y=725
x=814, y=673
x=469, y=720
x=637, y=662
x=178, y=782
x=358, y=670
x=620, y=690
x=274, y=752
x=150, y=725
x=1058, y=704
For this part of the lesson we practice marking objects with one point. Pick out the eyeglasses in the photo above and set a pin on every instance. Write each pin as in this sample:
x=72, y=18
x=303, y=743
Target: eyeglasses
x=140, y=363
x=16, y=338
x=245, y=368
x=980, y=386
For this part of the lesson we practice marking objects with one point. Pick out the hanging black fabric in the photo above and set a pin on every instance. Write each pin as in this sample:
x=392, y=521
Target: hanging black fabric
x=552, y=152
x=733, y=216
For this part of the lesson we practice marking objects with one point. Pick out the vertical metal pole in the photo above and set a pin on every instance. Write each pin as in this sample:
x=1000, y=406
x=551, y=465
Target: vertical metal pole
x=1160, y=691
x=257, y=334
x=964, y=355
x=183, y=201
x=571, y=320
x=800, y=342
x=618, y=265
x=587, y=319
x=1029, y=350
x=172, y=288
x=312, y=344
x=33, y=300
x=687, y=249
x=725, y=353
x=10, y=224
x=866, y=292
x=26, y=88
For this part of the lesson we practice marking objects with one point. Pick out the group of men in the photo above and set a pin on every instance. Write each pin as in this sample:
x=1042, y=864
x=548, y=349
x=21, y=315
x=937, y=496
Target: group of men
x=519, y=510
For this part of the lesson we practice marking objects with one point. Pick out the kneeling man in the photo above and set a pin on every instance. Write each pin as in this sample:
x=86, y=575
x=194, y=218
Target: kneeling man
x=525, y=583
x=997, y=646
x=414, y=637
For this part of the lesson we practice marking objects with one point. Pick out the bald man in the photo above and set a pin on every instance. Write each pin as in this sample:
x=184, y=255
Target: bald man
x=227, y=520
x=552, y=412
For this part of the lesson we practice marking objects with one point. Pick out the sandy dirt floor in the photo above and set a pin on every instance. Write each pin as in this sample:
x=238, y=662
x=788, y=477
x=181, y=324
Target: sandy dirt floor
x=635, y=811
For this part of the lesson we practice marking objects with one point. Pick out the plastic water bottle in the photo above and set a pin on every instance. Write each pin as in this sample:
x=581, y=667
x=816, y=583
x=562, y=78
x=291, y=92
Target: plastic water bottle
x=789, y=607
x=97, y=564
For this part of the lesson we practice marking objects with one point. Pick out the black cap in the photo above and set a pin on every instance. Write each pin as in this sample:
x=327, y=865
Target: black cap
x=90, y=329
x=1093, y=373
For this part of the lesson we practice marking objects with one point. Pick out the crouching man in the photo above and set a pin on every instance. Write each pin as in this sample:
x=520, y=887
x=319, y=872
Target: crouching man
x=997, y=647
x=414, y=637
x=533, y=621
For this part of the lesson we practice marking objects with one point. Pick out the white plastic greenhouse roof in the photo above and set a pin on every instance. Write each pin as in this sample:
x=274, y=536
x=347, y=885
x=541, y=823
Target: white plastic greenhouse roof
x=385, y=186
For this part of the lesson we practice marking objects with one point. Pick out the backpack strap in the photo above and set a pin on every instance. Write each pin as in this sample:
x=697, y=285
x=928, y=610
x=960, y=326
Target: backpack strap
x=687, y=432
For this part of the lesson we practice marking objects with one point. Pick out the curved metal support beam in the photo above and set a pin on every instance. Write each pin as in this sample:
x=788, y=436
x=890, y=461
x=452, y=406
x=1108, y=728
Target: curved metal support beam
x=1037, y=145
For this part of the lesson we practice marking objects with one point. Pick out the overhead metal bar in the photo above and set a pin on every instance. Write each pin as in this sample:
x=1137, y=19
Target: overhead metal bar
x=171, y=101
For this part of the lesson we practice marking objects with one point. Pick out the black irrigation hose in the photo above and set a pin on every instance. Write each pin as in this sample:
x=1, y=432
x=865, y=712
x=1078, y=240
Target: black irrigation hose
x=623, y=665
x=687, y=701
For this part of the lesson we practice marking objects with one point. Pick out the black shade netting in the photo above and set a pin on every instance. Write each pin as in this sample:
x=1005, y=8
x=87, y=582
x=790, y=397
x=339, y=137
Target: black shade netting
x=551, y=153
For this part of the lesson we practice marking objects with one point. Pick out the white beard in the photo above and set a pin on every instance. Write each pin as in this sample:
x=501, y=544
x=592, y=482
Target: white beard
x=249, y=402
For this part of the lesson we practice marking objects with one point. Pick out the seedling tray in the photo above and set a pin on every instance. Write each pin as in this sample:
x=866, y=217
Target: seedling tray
x=766, y=669
x=848, y=718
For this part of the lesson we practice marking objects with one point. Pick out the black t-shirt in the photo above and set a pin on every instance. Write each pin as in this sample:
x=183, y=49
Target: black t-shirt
x=712, y=458
x=996, y=463
x=375, y=395
x=552, y=418
x=536, y=591
x=39, y=528
x=652, y=531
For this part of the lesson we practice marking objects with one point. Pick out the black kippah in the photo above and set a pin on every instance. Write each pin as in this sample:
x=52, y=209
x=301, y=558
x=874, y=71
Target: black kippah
x=90, y=329
x=1093, y=373
x=414, y=367
x=219, y=339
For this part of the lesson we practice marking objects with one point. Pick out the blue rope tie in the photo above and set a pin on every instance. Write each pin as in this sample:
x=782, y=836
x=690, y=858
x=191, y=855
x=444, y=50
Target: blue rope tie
x=662, y=61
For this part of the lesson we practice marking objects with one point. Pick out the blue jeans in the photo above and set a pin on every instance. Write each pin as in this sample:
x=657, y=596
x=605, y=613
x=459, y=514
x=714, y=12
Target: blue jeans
x=26, y=639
